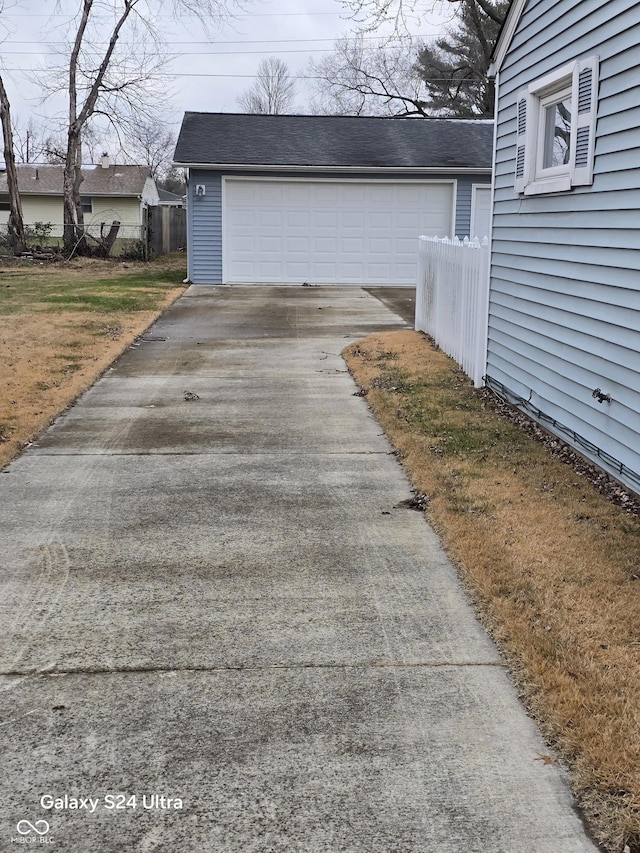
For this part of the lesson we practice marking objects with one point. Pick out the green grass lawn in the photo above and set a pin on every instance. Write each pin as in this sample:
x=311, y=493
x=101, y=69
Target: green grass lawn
x=89, y=286
x=62, y=325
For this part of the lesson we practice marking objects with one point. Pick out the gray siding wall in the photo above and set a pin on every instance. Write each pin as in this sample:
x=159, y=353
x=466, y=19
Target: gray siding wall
x=204, y=216
x=463, y=203
x=204, y=228
x=564, y=316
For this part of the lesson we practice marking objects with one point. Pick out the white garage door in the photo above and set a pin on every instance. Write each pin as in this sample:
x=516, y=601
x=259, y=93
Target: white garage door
x=330, y=232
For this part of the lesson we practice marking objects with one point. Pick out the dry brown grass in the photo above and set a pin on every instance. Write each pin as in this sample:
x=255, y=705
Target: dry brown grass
x=61, y=327
x=552, y=566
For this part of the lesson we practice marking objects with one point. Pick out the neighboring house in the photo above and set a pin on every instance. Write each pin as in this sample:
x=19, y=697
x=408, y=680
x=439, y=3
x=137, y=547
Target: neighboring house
x=325, y=199
x=169, y=199
x=108, y=192
x=564, y=313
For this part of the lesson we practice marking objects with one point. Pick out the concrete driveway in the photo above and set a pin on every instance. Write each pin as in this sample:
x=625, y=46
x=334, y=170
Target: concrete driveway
x=221, y=633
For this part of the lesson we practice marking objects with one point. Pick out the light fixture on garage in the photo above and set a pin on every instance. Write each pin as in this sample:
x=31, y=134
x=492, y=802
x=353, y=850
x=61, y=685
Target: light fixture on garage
x=200, y=190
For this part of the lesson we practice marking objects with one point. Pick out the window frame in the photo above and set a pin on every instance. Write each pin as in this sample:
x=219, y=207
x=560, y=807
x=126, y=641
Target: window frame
x=541, y=171
x=86, y=202
x=577, y=80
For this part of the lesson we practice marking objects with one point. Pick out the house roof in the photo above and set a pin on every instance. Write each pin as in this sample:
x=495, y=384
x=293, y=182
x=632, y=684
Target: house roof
x=44, y=179
x=167, y=197
x=245, y=141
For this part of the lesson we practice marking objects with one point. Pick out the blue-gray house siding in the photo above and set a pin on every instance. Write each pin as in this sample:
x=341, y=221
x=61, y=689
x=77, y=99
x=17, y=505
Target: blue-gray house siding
x=564, y=316
x=204, y=228
x=463, y=203
x=204, y=214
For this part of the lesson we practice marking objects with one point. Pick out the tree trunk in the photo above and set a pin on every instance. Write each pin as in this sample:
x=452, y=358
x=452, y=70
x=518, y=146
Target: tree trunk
x=73, y=234
x=17, y=239
x=110, y=239
x=74, y=238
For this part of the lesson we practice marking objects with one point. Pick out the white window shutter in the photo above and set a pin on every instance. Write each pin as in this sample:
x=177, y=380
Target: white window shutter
x=585, y=93
x=522, y=119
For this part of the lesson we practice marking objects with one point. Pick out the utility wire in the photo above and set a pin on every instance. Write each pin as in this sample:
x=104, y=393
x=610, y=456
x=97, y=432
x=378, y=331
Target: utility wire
x=243, y=41
x=177, y=75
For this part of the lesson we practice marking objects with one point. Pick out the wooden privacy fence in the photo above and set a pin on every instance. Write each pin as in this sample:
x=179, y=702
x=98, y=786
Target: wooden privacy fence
x=452, y=299
x=168, y=229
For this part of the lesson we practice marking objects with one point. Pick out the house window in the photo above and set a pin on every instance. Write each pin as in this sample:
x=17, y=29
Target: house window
x=556, y=132
x=4, y=205
x=87, y=203
x=556, y=123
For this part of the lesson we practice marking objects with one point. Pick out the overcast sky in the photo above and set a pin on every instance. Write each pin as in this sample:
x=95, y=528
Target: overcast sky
x=207, y=73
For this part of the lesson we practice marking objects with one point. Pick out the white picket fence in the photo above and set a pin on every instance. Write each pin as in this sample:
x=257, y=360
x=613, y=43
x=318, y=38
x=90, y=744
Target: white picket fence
x=452, y=299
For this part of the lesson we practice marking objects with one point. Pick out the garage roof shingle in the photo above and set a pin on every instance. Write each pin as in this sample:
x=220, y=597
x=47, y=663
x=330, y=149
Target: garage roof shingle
x=225, y=139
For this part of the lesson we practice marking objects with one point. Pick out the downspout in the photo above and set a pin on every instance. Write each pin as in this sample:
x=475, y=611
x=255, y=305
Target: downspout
x=187, y=280
x=491, y=72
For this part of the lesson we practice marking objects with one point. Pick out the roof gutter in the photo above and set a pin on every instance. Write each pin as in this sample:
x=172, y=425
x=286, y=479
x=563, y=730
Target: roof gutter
x=393, y=170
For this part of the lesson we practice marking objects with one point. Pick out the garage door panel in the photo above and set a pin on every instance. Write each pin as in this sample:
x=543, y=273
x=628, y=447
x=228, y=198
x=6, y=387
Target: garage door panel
x=355, y=195
x=361, y=232
x=297, y=220
x=325, y=246
x=298, y=195
x=406, y=220
x=353, y=221
x=327, y=194
x=246, y=244
x=244, y=193
x=298, y=244
x=353, y=271
x=271, y=246
x=403, y=270
x=379, y=193
x=324, y=271
x=351, y=245
x=379, y=245
x=380, y=219
x=325, y=219
x=379, y=271
x=242, y=218
x=296, y=270
x=405, y=245
x=270, y=219
x=271, y=194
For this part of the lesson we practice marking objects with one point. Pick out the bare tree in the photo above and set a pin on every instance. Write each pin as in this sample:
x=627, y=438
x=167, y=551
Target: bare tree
x=393, y=77
x=372, y=13
x=17, y=239
x=273, y=92
x=104, y=78
x=174, y=181
x=454, y=69
x=34, y=143
x=358, y=79
x=151, y=142
x=15, y=228
x=30, y=142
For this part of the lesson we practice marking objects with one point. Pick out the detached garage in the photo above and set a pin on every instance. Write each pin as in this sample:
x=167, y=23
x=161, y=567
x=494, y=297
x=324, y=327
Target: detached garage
x=325, y=199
